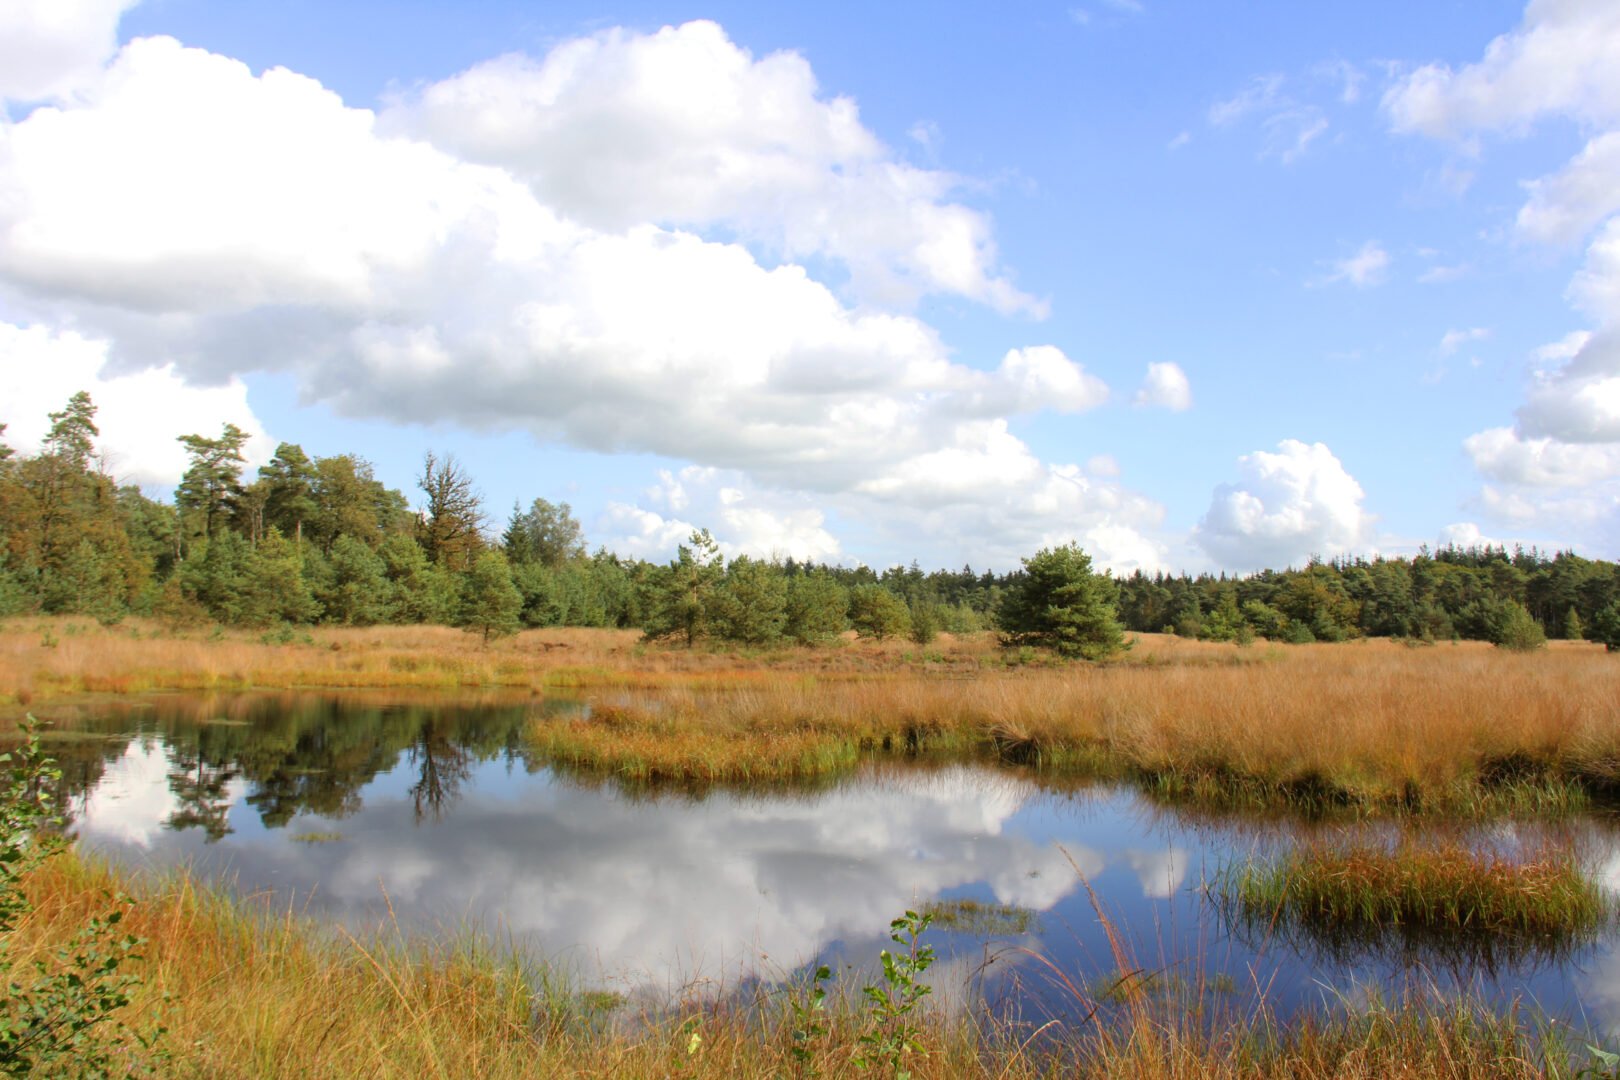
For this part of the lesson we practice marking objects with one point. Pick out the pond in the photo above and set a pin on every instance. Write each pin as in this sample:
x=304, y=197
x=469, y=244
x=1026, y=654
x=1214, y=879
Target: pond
x=364, y=810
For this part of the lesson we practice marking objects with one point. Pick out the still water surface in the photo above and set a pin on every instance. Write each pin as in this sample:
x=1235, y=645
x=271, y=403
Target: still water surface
x=437, y=814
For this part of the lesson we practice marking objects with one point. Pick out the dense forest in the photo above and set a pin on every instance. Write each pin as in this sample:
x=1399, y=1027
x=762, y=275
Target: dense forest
x=322, y=540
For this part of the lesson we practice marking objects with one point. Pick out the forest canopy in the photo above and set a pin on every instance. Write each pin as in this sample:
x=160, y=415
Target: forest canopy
x=321, y=540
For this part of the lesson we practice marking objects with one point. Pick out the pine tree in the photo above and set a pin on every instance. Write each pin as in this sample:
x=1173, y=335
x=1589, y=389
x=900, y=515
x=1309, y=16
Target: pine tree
x=357, y=592
x=490, y=602
x=212, y=484
x=751, y=603
x=817, y=607
x=875, y=612
x=1058, y=603
x=684, y=599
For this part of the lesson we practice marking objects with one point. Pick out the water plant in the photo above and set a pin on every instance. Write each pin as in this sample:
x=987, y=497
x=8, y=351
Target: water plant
x=1440, y=897
x=981, y=918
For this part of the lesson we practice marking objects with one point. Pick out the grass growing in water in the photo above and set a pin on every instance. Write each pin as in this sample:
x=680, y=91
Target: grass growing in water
x=1351, y=897
x=981, y=918
x=643, y=748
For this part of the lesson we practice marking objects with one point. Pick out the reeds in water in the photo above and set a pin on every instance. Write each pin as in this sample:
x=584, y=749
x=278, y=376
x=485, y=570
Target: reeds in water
x=1427, y=900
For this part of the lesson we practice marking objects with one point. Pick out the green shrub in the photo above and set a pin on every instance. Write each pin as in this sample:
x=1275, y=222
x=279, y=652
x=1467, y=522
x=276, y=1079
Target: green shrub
x=1515, y=628
x=61, y=1012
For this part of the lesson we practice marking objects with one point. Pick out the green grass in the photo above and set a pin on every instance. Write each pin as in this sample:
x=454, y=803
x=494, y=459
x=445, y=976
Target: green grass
x=1442, y=898
x=981, y=918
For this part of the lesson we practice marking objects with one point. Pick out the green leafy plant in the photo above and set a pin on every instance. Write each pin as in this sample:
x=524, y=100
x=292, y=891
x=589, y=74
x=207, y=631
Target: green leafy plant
x=892, y=1030
x=61, y=1010
x=1606, y=1064
x=809, y=1020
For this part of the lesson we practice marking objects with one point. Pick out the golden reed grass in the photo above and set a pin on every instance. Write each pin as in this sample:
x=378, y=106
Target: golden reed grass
x=249, y=992
x=1371, y=725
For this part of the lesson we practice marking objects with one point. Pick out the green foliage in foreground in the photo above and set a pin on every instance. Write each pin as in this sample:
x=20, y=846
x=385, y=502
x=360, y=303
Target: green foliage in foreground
x=892, y=1031
x=61, y=1013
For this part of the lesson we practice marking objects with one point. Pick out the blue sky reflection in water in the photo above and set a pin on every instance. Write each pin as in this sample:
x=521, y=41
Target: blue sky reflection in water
x=445, y=812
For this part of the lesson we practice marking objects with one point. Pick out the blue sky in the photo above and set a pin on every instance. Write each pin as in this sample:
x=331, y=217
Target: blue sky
x=1199, y=286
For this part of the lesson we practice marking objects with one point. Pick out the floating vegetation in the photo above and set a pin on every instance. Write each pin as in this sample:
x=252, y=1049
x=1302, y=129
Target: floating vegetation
x=601, y=1001
x=1119, y=988
x=316, y=837
x=981, y=918
x=1432, y=901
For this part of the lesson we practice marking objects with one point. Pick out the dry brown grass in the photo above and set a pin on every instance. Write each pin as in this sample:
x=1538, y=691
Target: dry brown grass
x=1369, y=725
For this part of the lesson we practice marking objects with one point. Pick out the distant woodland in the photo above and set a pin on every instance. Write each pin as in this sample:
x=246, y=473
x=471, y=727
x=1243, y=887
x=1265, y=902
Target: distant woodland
x=321, y=540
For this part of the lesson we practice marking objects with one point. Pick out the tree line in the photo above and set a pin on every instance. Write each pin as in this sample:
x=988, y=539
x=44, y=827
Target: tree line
x=321, y=540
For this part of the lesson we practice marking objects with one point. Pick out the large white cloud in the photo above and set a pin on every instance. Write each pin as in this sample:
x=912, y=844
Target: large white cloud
x=1565, y=206
x=683, y=127
x=50, y=47
x=1505, y=455
x=1579, y=401
x=1558, y=468
x=140, y=414
x=1560, y=60
x=1289, y=506
x=747, y=521
x=1004, y=505
x=193, y=214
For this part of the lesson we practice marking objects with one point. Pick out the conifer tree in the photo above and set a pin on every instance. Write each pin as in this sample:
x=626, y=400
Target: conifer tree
x=1060, y=604
x=490, y=602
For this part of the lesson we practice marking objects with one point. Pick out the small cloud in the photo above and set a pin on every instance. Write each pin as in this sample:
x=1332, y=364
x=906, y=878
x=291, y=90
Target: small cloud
x=1291, y=132
x=1262, y=92
x=1082, y=17
x=1347, y=75
x=1364, y=269
x=1454, y=180
x=1289, y=125
x=1455, y=339
x=1179, y=141
x=1103, y=465
x=1440, y=275
x=928, y=137
x=1166, y=387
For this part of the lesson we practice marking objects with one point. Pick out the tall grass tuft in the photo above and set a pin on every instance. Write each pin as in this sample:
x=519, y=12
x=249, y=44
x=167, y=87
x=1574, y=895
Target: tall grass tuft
x=1440, y=897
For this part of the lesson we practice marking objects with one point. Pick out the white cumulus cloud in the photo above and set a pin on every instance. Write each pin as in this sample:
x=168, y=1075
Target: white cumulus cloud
x=207, y=222
x=1565, y=206
x=683, y=127
x=140, y=414
x=48, y=48
x=1288, y=506
x=1563, y=59
x=1166, y=387
x=1558, y=467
